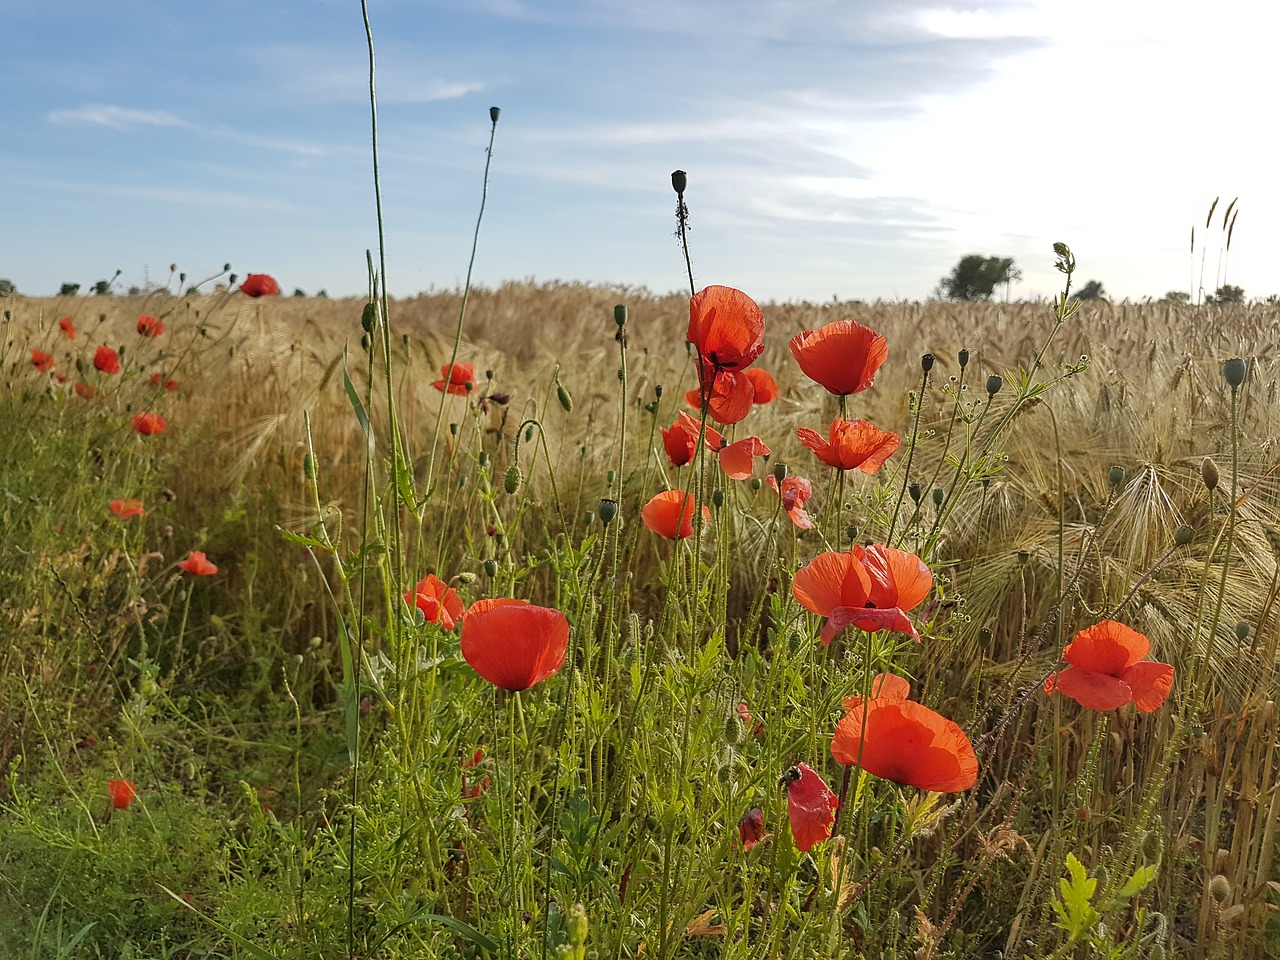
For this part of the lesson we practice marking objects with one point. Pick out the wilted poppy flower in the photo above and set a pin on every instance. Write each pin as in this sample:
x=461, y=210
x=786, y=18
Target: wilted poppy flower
x=150, y=423
x=67, y=326
x=260, y=285
x=474, y=788
x=512, y=643
x=811, y=806
x=458, y=379
x=150, y=326
x=765, y=387
x=122, y=793
x=198, y=564
x=158, y=379
x=127, y=509
x=1108, y=670
x=681, y=438
x=842, y=355
x=106, y=360
x=437, y=600
x=870, y=588
x=898, y=739
x=751, y=828
x=795, y=493
x=670, y=514
x=728, y=395
x=84, y=390
x=726, y=327
x=41, y=361
x=852, y=445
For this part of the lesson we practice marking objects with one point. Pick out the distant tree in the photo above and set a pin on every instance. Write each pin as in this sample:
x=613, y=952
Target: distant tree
x=1092, y=290
x=7, y=289
x=135, y=291
x=102, y=288
x=322, y=294
x=1178, y=296
x=299, y=292
x=1229, y=294
x=976, y=277
x=68, y=289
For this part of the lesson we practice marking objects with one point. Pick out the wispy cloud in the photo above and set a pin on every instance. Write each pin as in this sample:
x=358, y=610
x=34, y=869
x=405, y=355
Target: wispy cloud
x=114, y=117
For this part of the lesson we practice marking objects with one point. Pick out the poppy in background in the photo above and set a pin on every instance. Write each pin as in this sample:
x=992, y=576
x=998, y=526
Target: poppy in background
x=726, y=327
x=765, y=387
x=842, y=356
x=437, y=600
x=1108, y=670
x=68, y=326
x=851, y=445
x=811, y=806
x=41, y=361
x=869, y=588
x=158, y=379
x=122, y=793
x=106, y=360
x=471, y=789
x=127, y=509
x=149, y=424
x=150, y=326
x=795, y=493
x=458, y=379
x=512, y=643
x=670, y=514
x=84, y=390
x=260, y=285
x=197, y=564
x=751, y=828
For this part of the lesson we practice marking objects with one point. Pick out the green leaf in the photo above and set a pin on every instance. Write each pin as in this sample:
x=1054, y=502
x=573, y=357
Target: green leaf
x=1076, y=914
x=301, y=539
x=362, y=415
x=1138, y=882
x=464, y=930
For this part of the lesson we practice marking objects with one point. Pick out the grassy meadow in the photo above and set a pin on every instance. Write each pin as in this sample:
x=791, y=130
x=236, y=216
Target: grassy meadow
x=320, y=772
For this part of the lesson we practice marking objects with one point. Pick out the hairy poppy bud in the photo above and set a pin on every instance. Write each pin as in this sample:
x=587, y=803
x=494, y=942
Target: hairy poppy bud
x=369, y=317
x=964, y=359
x=1234, y=370
x=1115, y=476
x=915, y=492
x=994, y=383
x=1220, y=888
x=620, y=314
x=482, y=457
x=1183, y=535
x=490, y=568
x=679, y=180
x=926, y=362
x=1242, y=631
x=606, y=510
x=511, y=481
x=565, y=398
x=494, y=113
x=717, y=498
x=466, y=577
x=1209, y=473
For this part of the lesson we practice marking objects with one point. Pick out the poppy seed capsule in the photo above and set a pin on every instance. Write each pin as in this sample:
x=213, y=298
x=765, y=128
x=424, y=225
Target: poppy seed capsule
x=657, y=391
x=1183, y=535
x=1209, y=473
x=679, y=181
x=494, y=113
x=926, y=362
x=1115, y=476
x=1242, y=631
x=1233, y=371
x=490, y=568
x=938, y=496
x=780, y=472
x=914, y=491
x=994, y=383
x=620, y=314
x=565, y=398
x=964, y=359
x=606, y=510
x=717, y=498
x=511, y=481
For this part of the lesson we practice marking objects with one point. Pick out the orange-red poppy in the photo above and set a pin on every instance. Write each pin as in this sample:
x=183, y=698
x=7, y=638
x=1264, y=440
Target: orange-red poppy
x=197, y=564
x=670, y=514
x=150, y=423
x=106, y=360
x=122, y=793
x=68, y=326
x=127, y=509
x=811, y=806
x=457, y=378
x=765, y=387
x=795, y=493
x=726, y=327
x=158, y=379
x=842, y=355
x=471, y=789
x=884, y=686
x=898, y=739
x=898, y=579
x=851, y=445
x=738, y=459
x=260, y=285
x=512, y=643
x=729, y=395
x=41, y=361
x=1108, y=670
x=437, y=600
x=751, y=828
x=84, y=390
x=150, y=326
x=681, y=438
x=869, y=588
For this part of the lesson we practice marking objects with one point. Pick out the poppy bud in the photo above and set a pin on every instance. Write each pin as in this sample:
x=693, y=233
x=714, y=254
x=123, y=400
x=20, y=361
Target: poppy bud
x=994, y=383
x=926, y=362
x=620, y=314
x=609, y=477
x=606, y=510
x=733, y=729
x=511, y=482
x=756, y=484
x=466, y=577
x=528, y=434
x=1234, y=370
x=657, y=391
x=453, y=429
x=780, y=472
x=938, y=496
x=462, y=481
x=565, y=398
x=494, y=113
x=369, y=317
x=1242, y=631
x=914, y=491
x=679, y=181
x=964, y=359
x=365, y=342
x=588, y=517
x=1220, y=888
x=490, y=568
x=1209, y=473
x=1115, y=476
x=1183, y=535
x=717, y=498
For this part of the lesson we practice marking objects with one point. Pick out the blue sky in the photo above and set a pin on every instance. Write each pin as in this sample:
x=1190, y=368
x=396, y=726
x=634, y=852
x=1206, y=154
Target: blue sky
x=846, y=149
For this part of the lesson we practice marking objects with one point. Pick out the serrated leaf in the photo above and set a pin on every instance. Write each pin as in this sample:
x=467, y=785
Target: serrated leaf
x=1138, y=882
x=301, y=539
x=1075, y=911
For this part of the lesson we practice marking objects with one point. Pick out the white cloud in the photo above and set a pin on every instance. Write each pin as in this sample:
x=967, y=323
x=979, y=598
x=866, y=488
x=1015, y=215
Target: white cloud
x=117, y=118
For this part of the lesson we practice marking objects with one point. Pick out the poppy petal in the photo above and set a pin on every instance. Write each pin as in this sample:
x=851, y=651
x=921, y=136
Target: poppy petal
x=831, y=580
x=670, y=514
x=1150, y=682
x=738, y=459
x=870, y=619
x=765, y=387
x=1108, y=647
x=1089, y=688
x=512, y=643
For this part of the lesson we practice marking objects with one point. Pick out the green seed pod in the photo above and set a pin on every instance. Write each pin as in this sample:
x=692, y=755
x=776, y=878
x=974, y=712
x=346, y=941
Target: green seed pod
x=938, y=496
x=490, y=568
x=914, y=492
x=1209, y=474
x=994, y=383
x=717, y=498
x=1242, y=631
x=755, y=484
x=984, y=637
x=964, y=359
x=657, y=391
x=1183, y=535
x=462, y=481
x=511, y=481
x=1115, y=476
x=369, y=317
x=1233, y=371
x=853, y=531
x=453, y=429
x=620, y=314
x=588, y=517
x=606, y=510
x=482, y=458
x=494, y=113
x=780, y=472
x=488, y=374
x=609, y=477
x=565, y=398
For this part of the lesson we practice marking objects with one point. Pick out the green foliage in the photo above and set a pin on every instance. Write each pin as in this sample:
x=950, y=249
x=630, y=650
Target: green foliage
x=102, y=288
x=7, y=288
x=1228, y=293
x=976, y=277
x=68, y=289
x=1075, y=911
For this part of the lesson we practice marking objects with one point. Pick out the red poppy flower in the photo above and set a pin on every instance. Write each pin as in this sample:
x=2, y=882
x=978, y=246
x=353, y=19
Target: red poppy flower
x=852, y=445
x=681, y=438
x=755, y=727
x=811, y=806
x=795, y=493
x=738, y=459
x=260, y=285
x=61, y=377
x=41, y=361
x=766, y=388
x=458, y=379
x=150, y=326
x=437, y=600
x=842, y=355
x=869, y=588
x=729, y=396
x=158, y=379
x=107, y=360
x=1108, y=669
x=726, y=327
x=898, y=579
x=84, y=390
x=67, y=326
x=884, y=686
x=474, y=788
x=906, y=742
x=198, y=565
x=150, y=423
x=670, y=514
x=512, y=643
x=751, y=828
x=122, y=793
x=127, y=509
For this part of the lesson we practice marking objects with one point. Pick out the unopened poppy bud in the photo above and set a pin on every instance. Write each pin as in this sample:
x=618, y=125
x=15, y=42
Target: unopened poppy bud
x=488, y=374
x=365, y=342
x=1209, y=473
x=490, y=568
x=755, y=484
x=462, y=481
x=1234, y=370
x=511, y=481
x=964, y=359
x=717, y=498
x=565, y=398
x=1220, y=888
x=780, y=472
x=528, y=434
x=620, y=314
x=466, y=577
x=182, y=278
x=369, y=317
x=606, y=510
x=914, y=491
x=1153, y=846
x=679, y=181
x=231, y=280
x=994, y=383
x=657, y=391
x=609, y=477
x=494, y=113
x=588, y=517
x=733, y=730
x=1183, y=535
x=1242, y=631
x=926, y=362
x=938, y=496
x=453, y=429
